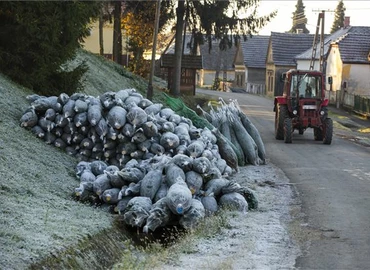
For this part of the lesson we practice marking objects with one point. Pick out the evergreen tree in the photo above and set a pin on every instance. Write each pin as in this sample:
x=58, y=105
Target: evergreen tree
x=213, y=19
x=299, y=19
x=38, y=37
x=339, y=17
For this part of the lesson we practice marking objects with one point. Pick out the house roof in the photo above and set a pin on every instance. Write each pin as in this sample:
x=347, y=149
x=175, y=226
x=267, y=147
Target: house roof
x=171, y=47
x=217, y=59
x=211, y=59
x=285, y=46
x=354, y=47
x=255, y=51
x=353, y=41
x=306, y=55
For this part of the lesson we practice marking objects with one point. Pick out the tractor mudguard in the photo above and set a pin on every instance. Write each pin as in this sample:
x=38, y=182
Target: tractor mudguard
x=325, y=103
x=279, y=100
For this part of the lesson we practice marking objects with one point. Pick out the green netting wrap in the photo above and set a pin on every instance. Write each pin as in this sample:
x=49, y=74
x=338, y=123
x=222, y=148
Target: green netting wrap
x=175, y=104
x=178, y=106
x=227, y=149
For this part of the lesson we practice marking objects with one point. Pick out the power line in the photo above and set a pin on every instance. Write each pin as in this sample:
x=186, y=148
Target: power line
x=323, y=10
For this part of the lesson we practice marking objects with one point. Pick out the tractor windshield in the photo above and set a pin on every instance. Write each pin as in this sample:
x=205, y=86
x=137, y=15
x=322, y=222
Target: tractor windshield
x=305, y=86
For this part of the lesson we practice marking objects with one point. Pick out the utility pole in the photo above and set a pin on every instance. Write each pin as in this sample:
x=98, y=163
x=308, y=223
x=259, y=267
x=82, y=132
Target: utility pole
x=320, y=20
x=149, y=93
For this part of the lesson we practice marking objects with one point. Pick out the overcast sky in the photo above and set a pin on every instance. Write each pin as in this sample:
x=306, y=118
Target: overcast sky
x=358, y=11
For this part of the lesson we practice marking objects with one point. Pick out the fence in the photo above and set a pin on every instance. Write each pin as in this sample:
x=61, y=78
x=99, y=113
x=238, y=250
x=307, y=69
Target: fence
x=357, y=103
x=253, y=88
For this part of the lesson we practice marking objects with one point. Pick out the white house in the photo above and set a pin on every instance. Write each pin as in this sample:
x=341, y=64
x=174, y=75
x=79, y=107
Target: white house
x=348, y=61
x=346, y=54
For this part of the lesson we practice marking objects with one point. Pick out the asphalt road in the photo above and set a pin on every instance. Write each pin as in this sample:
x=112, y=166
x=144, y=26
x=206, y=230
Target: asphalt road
x=332, y=183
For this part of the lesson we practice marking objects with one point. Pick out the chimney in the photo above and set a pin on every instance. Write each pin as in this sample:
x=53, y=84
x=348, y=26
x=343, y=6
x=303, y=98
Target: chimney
x=346, y=22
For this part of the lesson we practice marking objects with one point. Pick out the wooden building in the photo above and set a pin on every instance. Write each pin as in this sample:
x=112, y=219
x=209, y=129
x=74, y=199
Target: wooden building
x=189, y=66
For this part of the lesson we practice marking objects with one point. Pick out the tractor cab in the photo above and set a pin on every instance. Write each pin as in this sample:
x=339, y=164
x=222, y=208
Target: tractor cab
x=303, y=105
x=305, y=86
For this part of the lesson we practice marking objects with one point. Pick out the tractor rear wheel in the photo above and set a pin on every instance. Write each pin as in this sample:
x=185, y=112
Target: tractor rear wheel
x=280, y=114
x=328, y=131
x=317, y=134
x=288, y=130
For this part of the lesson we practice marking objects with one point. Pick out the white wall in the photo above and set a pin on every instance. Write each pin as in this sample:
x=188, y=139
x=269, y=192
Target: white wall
x=91, y=43
x=356, y=77
x=358, y=80
x=334, y=68
x=209, y=76
x=305, y=64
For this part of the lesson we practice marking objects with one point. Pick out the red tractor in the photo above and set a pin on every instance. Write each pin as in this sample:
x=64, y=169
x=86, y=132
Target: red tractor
x=303, y=105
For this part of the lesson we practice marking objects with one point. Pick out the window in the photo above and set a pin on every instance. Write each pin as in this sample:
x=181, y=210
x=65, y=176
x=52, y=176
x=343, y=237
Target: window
x=270, y=81
x=305, y=86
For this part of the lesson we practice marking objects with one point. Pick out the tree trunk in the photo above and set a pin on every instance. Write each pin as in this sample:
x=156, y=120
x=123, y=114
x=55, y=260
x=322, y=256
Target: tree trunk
x=180, y=12
x=101, y=38
x=117, y=34
x=149, y=93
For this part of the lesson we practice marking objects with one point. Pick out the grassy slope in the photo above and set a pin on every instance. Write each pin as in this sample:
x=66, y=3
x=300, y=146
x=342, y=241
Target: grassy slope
x=37, y=214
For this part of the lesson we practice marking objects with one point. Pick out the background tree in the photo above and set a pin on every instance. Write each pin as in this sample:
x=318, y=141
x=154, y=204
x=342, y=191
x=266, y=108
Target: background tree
x=227, y=21
x=38, y=37
x=299, y=18
x=117, y=32
x=138, y=25
x=105, y=15
x=338, y=17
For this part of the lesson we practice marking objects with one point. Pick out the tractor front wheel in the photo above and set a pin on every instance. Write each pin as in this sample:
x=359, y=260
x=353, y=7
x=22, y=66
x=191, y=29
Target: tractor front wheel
x=317, y=134
x=328, y=131
x=280, y=115
x=288, y=130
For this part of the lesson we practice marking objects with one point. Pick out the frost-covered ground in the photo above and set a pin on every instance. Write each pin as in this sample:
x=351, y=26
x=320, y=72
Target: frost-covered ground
x=255, y=240
x=39, y=218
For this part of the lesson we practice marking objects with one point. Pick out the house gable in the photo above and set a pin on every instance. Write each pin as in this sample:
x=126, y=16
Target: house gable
x=269, y=56
x=238, y=59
